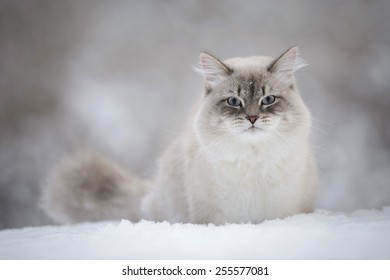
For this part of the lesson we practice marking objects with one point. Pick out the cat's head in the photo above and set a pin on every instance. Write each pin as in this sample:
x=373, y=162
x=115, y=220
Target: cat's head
x=251, y=99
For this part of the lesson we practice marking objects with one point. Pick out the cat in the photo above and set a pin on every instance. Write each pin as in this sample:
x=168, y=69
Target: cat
x=244, y=157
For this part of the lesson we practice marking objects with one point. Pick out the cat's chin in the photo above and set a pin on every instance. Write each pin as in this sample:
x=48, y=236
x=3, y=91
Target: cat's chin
x=253, y=134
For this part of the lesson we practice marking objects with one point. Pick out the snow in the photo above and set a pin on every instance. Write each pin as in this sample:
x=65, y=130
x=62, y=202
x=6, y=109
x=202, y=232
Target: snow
x=363, y=234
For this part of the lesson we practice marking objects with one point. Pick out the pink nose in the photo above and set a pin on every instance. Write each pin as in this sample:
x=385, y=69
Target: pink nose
x=252, y=119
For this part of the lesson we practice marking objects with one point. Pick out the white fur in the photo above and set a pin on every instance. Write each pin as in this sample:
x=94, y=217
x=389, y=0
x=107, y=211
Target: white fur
x=217, y=172
x=231, y=182
x=236, y=176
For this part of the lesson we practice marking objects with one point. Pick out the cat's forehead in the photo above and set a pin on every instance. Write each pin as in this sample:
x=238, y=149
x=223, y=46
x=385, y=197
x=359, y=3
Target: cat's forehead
x=249, y=78
x=249, y=70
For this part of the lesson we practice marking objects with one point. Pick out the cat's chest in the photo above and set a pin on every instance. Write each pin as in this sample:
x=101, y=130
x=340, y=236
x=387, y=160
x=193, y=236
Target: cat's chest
x=246, y=174
x=252, y=191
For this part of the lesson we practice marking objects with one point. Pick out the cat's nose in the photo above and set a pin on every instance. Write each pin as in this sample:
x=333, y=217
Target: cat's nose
x=252, y=119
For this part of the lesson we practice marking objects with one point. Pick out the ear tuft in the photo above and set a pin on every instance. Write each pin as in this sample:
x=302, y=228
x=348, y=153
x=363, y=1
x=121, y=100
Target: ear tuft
x=287, y=63
x=212, y=69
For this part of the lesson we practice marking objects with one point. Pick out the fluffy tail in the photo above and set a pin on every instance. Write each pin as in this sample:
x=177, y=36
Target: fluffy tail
x=87, y=187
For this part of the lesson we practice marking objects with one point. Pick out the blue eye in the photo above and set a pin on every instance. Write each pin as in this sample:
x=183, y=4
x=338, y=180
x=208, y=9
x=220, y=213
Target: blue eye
x=268, y=100
x=234, y=101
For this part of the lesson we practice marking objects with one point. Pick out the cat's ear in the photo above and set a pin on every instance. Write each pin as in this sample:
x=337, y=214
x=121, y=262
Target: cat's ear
x=286, y=64
x=212, y=69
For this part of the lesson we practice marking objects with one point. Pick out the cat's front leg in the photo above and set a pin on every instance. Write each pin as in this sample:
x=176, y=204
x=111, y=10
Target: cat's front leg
x=203, y=206
x=210, y=216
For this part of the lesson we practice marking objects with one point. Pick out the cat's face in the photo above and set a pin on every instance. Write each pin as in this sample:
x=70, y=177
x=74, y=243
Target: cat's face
x=251, y=98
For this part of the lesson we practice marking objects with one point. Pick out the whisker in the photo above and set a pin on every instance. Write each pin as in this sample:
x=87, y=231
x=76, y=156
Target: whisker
x=322, y=121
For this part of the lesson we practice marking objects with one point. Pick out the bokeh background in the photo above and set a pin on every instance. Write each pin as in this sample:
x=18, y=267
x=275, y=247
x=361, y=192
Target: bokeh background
x=116, y=77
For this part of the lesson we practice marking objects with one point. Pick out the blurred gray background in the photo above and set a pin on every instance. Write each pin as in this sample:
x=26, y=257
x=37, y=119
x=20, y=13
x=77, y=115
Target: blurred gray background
x=115, y=76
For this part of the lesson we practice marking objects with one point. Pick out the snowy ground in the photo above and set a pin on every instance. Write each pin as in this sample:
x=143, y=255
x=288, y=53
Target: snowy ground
x=363, y=234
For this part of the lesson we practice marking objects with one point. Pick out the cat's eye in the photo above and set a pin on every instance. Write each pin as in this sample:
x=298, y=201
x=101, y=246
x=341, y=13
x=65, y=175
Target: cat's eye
x=234, y=101
x=268, y=100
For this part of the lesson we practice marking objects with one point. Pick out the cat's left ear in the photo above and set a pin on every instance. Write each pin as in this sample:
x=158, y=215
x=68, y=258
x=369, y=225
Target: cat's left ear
x=286, y=64
x=212, y=69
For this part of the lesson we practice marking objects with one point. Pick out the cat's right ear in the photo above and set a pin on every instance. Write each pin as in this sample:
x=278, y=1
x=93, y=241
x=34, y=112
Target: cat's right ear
x=212, y=69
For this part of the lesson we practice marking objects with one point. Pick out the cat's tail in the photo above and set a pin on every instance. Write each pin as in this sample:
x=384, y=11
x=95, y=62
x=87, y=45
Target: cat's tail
x=87, y=187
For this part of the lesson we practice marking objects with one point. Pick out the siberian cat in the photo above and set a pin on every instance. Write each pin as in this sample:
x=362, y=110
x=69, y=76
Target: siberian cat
x=244, y=157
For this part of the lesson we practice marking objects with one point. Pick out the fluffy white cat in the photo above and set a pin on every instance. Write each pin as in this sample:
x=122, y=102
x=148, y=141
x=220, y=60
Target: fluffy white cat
x=244, y=157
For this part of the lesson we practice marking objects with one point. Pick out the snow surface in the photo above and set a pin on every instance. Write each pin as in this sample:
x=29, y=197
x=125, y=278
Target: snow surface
x=363, y=234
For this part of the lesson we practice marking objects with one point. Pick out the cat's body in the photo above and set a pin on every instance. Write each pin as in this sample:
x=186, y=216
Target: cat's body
x=244, y=157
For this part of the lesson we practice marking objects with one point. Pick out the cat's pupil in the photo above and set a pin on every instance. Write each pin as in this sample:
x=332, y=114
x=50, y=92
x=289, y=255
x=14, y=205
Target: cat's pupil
x=233, y=101
x=268, y=100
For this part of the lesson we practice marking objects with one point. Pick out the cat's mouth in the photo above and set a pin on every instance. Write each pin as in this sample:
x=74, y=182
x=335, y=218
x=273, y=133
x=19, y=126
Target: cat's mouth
x=253, y=129
x=252, y=134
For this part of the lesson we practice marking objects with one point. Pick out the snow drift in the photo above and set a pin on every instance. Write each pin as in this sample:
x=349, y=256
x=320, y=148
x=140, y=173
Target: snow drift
x=363, y=234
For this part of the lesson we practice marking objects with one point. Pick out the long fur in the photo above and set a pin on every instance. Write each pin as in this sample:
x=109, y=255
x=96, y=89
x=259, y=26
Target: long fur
x=87, y=187
x=222, y=169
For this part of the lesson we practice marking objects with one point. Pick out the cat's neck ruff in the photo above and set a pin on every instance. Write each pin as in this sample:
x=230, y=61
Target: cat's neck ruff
x=235, y=149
